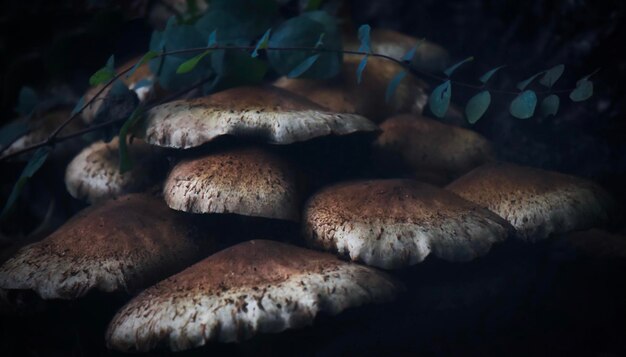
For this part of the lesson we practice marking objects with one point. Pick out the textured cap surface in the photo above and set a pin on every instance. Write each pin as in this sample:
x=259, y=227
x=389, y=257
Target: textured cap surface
x=269, y=114
x=426, y=146
x=536, y=202
x=122, y=245
x=94, y=174
x=256, y=286
x=396, y=223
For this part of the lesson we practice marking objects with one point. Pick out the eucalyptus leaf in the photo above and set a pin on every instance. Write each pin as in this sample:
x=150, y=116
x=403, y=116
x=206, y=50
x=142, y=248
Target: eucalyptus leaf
x=477, y=106
x=320, y=40
x=144, y=59
x=304, y=66
x=79, y=106
x=408, y=56
x=190, y=64
x=238, y=21
x=552, y=75
x=104, y=74
x=549, y=105
x=523, y=106
x=212, y=42
x=12, y=131
x=583, y=91
x=393, y=85
x=34, y=164
x=361, y=68
x=523, y=84
x=27, y=101
x=262, y=43
x=487, y=76
x=364, y=38
x=439, y=100
x=454, y=67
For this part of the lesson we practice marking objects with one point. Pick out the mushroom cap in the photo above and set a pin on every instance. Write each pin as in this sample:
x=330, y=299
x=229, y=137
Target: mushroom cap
x=396, y=223
x=347, y=95
x=270, y=114
x=256, y=286
x=536, y=202
x=121, y=245
x=244, y=181
x=426, y=146
x=94, y=174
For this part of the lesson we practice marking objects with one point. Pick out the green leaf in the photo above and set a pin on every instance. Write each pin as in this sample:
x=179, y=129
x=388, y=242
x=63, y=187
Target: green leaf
x=312, y=5
x=304, y=66
x=477, y=106
x=364, y=38
x=33, y=165
x=145, y=59
x=191, y=63
x=523, y=84
x=104, y=74
x=262, y=43
x=552, y=75
x=360, y=69
x=487, y=76
x=12, y=131
x=453, y=68
x=27, y=101
x=408, y=56
x=583, y=91
x=126, y=163
x=439, y=100
x=549, y=105
x=393, y=85
x=523, y=106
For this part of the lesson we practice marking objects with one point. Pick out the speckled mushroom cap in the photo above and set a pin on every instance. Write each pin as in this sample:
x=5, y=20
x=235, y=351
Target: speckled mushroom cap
x=396, y=223
x=346, y=95
x=94, y=174
x=254, y=287
x=124, y=244
x=268, y=114
x=244, y=181
x=536, y=202
x=427, y=147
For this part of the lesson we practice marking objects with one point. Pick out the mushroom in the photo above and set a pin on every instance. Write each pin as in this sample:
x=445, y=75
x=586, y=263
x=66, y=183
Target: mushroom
x=244, y=181
x=429, y=149
x=94, y=175
x=125, y=244
x=396, y=223
x=270, y=114
x=254, y=287
x=536, y=202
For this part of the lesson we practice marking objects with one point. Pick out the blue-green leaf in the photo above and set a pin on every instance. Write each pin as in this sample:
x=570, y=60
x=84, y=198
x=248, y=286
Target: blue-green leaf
x=33, y=165
x=12, y=131
x=523, y=106
x=439, y=100
x=523, y=84
x=393, y=85
x=360, y=69
x=213, y=39
x=104, y=74
x=549, y=105
x=487, y=76
x=262, y=43
x=364, y=38
x=126, y=163
x=27, y=101
x=453, y=68
x=304, y=66
x=238, y=21
x=320, y=41
x=477, y=106
x=145, y=59
x=552, y=75
x=408, y=56
x=79, y=106
x=583, y=91
x=191, y=63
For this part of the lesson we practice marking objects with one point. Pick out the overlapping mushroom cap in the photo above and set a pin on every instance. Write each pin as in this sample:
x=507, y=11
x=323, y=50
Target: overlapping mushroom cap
x=256, y=286
x=269, y=114
x=245, y=181
x=536, y=202
x=396, y=223
x=122, y=245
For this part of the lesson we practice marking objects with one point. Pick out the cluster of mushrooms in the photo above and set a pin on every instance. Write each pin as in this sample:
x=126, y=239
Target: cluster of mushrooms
x=431, y=189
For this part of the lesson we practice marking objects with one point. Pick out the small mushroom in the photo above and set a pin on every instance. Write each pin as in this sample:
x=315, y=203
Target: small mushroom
x=269, y=114
x=248, y=181
x=536, y=202
x=123, y=245
x=254, y=287
x=94, y=174
x=429, y=149
x=396, y=223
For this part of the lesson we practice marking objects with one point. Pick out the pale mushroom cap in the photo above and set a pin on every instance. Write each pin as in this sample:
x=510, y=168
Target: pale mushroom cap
x=426, y=146
x=249, y=181
x=94, y=174
x=396, y=223
x=254, y=287
x=122, y=245
x=269, y=114
x=536, y=202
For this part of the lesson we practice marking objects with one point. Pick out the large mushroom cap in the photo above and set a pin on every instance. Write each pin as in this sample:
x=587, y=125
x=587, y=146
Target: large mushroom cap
x=395, y=223
x=269, y=114
x=248, y=181
x=536, y=202
x=427, y=147
x=256, y=286
x=94, y=174
x=122, y=245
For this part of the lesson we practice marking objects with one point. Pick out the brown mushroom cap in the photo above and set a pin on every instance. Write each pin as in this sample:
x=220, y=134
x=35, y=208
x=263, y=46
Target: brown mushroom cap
x=428, y=147
x=256, y=286
x=94, y=174
x=396, y=223
x=248, y=181
x=271, y=114
x=122, y=245
x=536, y=202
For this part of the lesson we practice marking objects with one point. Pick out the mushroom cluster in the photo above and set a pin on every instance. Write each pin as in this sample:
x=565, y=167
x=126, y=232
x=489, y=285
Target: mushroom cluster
x=190, y=282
